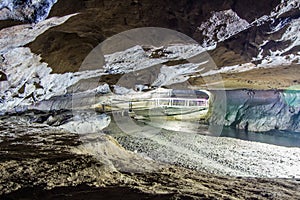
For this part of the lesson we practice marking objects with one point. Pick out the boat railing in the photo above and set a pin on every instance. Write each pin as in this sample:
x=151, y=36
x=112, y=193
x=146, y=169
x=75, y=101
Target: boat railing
x=178, y=102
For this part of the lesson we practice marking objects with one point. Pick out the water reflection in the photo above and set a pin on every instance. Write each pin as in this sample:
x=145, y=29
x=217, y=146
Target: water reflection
x=276, y=137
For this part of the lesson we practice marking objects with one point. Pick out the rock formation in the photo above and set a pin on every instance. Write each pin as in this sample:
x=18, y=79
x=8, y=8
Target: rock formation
x=256, y=110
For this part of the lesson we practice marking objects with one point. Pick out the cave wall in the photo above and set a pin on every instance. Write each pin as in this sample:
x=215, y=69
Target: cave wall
x=66, y=46
x=257, y=110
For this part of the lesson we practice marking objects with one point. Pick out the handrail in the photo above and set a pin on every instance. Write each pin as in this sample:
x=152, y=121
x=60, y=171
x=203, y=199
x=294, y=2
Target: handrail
x=184, y=99
x=179, y=102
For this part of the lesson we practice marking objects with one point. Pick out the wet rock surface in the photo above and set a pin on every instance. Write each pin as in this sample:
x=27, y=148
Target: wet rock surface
x=257, y=110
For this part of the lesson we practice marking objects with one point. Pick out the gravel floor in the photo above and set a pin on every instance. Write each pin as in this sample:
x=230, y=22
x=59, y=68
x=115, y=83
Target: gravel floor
x=218, y=155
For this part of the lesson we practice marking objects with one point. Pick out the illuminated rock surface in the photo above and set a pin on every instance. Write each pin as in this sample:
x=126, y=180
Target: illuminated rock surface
x=46, y=149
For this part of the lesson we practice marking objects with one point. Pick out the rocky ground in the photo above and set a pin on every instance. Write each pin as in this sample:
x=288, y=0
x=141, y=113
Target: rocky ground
x=41, y=161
